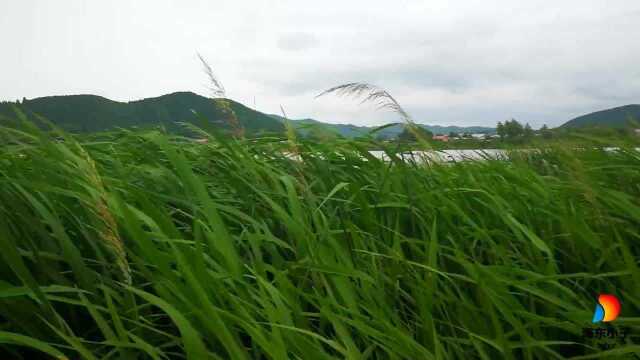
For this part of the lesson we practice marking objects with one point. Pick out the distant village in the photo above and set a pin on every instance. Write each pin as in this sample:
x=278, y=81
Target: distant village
x=464, y=136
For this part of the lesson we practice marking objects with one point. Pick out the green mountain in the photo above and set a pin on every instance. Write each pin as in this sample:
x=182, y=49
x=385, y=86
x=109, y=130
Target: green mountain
x=304, y=126
x=615, y=117
x=90, y=113
x=87, y=113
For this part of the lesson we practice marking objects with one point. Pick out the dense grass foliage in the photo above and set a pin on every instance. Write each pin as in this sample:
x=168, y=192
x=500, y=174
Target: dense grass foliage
x=144, y=245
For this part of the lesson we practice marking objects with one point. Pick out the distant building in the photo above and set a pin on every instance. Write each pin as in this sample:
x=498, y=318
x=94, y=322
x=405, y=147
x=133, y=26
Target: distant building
x=443, y=138
x=636, y=131
x=479, y=136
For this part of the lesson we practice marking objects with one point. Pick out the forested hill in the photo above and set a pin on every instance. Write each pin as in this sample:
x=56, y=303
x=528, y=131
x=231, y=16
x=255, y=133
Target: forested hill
x=88, y=113
x=615, y=117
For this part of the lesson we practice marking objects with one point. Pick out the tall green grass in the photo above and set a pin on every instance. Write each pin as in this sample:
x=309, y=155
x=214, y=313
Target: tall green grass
x=138, y=245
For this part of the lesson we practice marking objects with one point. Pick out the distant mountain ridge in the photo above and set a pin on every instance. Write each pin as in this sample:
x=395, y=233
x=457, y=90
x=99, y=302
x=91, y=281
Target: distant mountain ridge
x=88, y=113
x=614, y=117
x=351, y=131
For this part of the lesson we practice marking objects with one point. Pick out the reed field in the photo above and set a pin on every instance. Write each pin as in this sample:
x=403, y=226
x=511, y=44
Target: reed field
x=144, y=245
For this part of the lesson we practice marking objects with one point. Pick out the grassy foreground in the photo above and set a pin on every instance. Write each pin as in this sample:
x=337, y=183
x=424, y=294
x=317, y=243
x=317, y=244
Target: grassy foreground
x=142, y=245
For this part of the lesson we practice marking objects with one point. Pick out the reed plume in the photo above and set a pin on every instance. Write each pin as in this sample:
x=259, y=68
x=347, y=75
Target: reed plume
x=369, y=93
x=215, y=86
x=219, y=94
x=108, y=230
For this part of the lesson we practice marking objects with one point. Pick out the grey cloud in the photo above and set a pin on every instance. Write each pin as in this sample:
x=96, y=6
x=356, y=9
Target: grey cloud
x=297, y=41
x=448, y=62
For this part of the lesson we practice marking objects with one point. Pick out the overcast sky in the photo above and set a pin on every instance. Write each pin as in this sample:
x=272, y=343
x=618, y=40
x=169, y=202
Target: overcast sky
x=447, y=62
